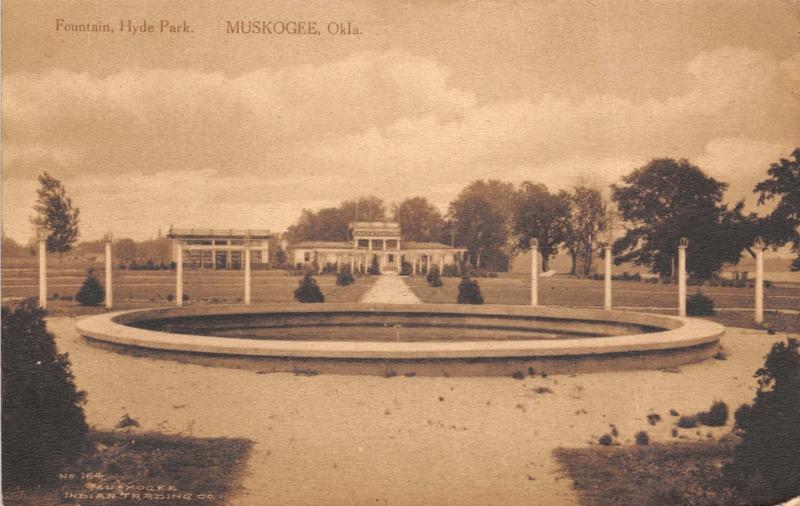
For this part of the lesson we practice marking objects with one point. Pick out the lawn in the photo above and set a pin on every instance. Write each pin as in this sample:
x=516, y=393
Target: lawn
x=138, y=289
x=563, y=291
x=159, y=469
x=665, y=473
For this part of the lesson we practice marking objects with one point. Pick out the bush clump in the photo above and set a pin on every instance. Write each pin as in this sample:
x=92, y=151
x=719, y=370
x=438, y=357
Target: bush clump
x=44, y=427
x=308, y=291
x=717, y=416
x=687, y=422
x=605, y=440
x=405, y=268
x=700, y=305
x=345, y=276
x=434, y=278
x=642, y=438
x=91, y=292
x=469, y=292
x=765, y=464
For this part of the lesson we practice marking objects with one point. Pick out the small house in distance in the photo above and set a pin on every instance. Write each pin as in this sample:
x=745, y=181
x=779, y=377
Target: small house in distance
x=376, y=241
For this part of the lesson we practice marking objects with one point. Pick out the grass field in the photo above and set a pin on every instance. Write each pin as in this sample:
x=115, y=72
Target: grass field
x=154, y=288
x=147, y=469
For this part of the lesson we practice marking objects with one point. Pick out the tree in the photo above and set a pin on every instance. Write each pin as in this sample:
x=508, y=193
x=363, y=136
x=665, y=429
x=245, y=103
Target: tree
x=332, y=223
x=11, y=248
x=55, y=214
x=434, y=278
x=469, y=292
x=668, y=199
x=765, y=463
x=345, y=277
x=309, y=291
x=280, y=256
x=91, y=292
x=125, y=250
x=543, y=216
x=419, y=220
x=783, y=223
x=482, y=218
x=44, y=426
x=478, y=226
x=586, y=219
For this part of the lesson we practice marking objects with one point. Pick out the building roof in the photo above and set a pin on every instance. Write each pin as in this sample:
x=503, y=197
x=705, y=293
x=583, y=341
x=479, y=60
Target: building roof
x=218, y=233
x=323, y=245
x=407, y=245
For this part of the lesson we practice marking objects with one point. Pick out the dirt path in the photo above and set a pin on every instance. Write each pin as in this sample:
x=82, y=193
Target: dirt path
x=390, y=289
x=332, y=439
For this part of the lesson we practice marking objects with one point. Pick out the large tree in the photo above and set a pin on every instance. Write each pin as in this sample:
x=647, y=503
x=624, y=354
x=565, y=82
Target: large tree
x=481, y=220
x=587, y=218
x=55, y=214
x=543, y=216
x=419, y=220
x=332, y=223
x=478, y=227
x=668, y=199
x=783, y=185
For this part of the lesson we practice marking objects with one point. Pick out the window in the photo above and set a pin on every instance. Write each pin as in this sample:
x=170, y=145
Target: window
x=307, y=256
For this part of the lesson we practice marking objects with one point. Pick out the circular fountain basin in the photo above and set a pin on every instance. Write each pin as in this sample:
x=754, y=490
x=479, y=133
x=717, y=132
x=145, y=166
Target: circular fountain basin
x=425, y=339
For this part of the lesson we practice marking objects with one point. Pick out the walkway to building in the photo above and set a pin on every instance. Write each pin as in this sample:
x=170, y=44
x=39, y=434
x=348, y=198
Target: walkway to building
x=390, y=289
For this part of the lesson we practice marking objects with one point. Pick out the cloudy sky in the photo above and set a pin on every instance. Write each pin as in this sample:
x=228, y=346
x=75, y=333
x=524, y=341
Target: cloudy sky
x=209, y=129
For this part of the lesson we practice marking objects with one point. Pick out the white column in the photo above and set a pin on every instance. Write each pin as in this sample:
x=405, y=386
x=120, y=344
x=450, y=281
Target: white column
x=607, y=298
x=42, y=268
x=427, y=264
x=441, y=264
x=759, y=309
x=109, y=273
x=534, y=273
x=352, y=264
x=682, y=276
x=247, y=280
x=179, y=275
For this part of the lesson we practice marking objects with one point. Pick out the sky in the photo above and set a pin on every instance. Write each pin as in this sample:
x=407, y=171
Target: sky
x=213, y=129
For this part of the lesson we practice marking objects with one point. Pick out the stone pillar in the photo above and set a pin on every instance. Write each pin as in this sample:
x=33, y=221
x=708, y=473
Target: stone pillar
x=608, y=273
x=534, y=273
x=247, y=277
x=441, y=264
x=42, y=236
x=682, y=276
x=427, y=264
x=352, y=264
x=179, y=275
x=109, y=271
x=759, y=309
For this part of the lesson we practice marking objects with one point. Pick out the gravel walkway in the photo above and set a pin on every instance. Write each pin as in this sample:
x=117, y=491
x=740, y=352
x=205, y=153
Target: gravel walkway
x=390, y=289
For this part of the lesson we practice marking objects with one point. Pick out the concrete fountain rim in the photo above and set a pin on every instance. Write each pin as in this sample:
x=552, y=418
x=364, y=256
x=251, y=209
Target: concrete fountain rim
x=680, y=333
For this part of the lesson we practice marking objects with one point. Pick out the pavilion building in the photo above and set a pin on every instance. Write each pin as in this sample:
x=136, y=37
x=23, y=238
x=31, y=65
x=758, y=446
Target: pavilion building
x=218, y=249
x=375, y=241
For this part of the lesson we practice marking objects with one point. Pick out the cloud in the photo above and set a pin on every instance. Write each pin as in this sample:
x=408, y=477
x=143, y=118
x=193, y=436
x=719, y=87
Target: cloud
x=142, y=148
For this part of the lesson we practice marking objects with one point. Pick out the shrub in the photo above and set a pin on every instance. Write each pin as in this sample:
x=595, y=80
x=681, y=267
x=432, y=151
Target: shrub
x=405, y=268
x=699, y=305
x=642, y=438
x=687, y=422
x=605, y=440
x=308, y=291
x=170, y=297
x=469, y=292
x=518, y=375
x=374, y=267
x=44, y=427
x=91, y=292
x=433, y=277
x=345, y=277
x=765, y=463
x=717, y=416
x=450, y=270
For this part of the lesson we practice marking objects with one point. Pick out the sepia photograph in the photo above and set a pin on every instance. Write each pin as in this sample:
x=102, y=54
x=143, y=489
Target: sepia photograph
x=400, y=252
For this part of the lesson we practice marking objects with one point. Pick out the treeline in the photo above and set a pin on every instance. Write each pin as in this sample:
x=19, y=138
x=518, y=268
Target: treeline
x=652, y=207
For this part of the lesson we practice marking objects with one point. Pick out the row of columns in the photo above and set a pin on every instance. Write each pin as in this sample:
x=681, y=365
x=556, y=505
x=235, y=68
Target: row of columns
x=684, y=243
x=607, y=299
